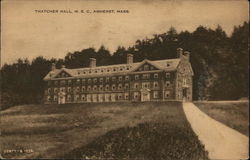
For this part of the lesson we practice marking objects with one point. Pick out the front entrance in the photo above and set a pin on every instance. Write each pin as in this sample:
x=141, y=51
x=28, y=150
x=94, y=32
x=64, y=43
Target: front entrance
x=145, y=94
x=184, y=94
x=61, y=97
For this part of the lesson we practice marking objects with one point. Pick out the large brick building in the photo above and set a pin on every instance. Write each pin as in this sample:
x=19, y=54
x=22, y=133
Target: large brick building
x=160, y=80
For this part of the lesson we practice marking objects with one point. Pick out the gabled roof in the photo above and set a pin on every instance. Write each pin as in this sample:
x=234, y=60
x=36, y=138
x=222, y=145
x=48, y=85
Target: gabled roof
x=119, y=69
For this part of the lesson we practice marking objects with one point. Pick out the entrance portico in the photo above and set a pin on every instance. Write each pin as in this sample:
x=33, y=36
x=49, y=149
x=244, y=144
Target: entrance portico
x=145, y=94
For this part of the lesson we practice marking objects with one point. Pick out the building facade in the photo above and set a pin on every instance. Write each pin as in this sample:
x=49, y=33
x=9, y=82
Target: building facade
x=160, y=80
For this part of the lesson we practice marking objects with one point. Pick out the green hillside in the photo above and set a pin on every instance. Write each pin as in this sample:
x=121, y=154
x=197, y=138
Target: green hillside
x=153, y=130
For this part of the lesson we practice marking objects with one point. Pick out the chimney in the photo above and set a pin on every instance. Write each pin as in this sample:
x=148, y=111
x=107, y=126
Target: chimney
x=53, y=67
x=179, y=52
x=129, y=58
x=92, y=62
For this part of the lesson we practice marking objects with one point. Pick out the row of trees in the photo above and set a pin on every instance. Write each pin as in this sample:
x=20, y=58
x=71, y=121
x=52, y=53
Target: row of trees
x=220, y=64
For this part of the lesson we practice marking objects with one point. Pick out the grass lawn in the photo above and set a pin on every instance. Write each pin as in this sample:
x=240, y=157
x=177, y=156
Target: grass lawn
x=234, y=114
x=154, y=130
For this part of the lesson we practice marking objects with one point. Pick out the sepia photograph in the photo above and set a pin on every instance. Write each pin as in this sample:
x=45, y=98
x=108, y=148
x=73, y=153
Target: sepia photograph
x=124, y=79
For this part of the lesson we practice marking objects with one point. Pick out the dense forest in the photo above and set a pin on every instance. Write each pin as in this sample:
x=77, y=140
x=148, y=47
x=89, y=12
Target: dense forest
x=219, y=61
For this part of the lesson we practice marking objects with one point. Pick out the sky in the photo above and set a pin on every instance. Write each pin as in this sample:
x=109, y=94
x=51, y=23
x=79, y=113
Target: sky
x=27, y=33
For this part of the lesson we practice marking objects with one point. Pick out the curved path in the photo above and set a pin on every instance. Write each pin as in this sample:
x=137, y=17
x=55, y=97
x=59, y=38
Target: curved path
x=221, y=142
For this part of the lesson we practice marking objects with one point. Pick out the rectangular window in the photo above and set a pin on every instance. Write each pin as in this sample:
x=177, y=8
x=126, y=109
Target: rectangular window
x=156, y=84
x=89, y=88
x=120, y=78
x=167, y=83
x=62, y=82
x=69, y=82
x=146, y=85
x=55, y=90
x=113, y=87
x=83, y=97
x=78, y=81
x=120, y=86
x=113, y=79
x=126, y=96
x=136, y=85
x=69, y=98
x=69, y=89
x=95, y=80
x=55, y=83
x=107, y=79
x=127, y=78
x=83, y=88
x=101, y=87
x=184, y=81
x=77, y=89
x=76, y=97
x=146, y=67
x=156, y=94
x=126, y=86
x=55, y=98
x=101, y=80
x=145, y=76
x=95, y=88
x=49, y=83
x=136, y=95
x=49, y=90
x=156, y=75
x=62, y=89
x=89, y=81
x=119, y=96
x=83, y=81
x=167, y=75
x=107, y=87
x=167, y=94
x=136, y=77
